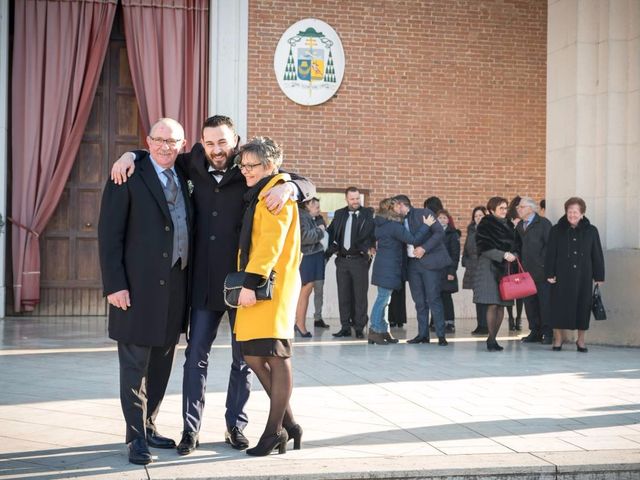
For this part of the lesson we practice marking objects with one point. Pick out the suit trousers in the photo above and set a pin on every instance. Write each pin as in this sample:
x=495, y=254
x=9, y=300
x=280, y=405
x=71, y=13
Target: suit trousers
x=144, y=374
x=352, y=275
x=398, y=307
x=425, y=286
x=538, y=309
x=203, y=329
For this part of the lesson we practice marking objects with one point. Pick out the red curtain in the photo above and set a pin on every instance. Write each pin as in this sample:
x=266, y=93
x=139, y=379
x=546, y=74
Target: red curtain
x=167, y=46
x=58, y=52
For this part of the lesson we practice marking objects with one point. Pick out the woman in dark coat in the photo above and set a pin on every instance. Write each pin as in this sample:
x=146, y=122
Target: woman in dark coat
x=450, y=277
x=574, y=261
x=470, y=263
x=497, y=246
x=391, y=238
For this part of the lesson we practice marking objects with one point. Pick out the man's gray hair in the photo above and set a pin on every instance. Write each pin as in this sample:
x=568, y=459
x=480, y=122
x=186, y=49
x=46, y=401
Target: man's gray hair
x=529, y=202
x=265, y=149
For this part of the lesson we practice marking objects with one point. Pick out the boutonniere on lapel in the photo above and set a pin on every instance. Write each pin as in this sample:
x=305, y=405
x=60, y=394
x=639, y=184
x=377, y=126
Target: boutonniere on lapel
x=190, y=187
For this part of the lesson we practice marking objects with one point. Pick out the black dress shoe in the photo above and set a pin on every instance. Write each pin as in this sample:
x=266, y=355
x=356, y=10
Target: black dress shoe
x=556, y=349
x=359, y=334
x=418, y=339
x=139, y=453
x=155, y=440
x=188, y=443
x=532, y=338
x=236, y=439
x=320, y=324
x=343, y=333
x=442, y=342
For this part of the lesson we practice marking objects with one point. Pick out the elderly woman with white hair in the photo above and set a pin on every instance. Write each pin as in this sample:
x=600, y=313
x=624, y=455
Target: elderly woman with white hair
x=533, y=231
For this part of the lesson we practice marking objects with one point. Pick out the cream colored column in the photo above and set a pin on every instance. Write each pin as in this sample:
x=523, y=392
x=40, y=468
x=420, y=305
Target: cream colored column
x=228, y=60
x=593, y=131
x=4, y=130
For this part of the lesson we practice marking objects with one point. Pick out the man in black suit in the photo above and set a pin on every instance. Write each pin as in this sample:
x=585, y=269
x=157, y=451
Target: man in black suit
x=218, y=190
x=425, y=269
x=351, y=238
x=144, y=242
x=533, y=232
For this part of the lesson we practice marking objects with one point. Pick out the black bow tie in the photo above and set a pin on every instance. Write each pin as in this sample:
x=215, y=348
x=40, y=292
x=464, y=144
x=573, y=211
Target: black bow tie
x=217, y=172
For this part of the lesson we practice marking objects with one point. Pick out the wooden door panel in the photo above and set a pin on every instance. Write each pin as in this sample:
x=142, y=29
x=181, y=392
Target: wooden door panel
x=54, y=264
x=60, y=220
x=87, y=267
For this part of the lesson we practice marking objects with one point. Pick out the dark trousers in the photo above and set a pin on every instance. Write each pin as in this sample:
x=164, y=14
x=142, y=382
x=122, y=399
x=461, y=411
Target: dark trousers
x=537, y=308
x=425, y=286
x=352, y=276
x=447, y=307
x=398, y=307
x=144, y=374
x=203, y=330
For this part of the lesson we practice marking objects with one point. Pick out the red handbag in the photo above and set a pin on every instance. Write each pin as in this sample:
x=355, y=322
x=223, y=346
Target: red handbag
x=517, y=285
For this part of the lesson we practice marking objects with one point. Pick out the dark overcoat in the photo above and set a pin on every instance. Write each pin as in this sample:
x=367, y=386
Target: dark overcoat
x=135, y=234
x=218, y=208
x=533, y=246
x=452, y=244
x=575, y=258
x=436, y=256
x=392, y=238
x=469, y=257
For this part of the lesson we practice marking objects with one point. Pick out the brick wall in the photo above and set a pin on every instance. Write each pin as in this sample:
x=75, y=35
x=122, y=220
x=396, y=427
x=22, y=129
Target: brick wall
x=439, y=97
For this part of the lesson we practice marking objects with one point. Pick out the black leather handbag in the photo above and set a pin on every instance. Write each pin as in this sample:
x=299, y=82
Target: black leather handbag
x=597, y=307
x=233, y=284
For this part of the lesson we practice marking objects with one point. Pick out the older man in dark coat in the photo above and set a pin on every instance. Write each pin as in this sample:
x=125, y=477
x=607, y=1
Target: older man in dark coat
x=533, y=232
x=144, y=241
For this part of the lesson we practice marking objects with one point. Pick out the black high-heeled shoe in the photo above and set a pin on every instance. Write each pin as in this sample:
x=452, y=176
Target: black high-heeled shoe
x=581, y=349
x=266, y=444
x=493, y=346
x=295, y=432
x=303, y=335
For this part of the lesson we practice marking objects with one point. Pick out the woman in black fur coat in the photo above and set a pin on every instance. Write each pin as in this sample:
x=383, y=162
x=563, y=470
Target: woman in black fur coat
x=497, y=246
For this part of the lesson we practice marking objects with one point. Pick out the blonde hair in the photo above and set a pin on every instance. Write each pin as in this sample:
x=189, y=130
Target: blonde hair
x=385, y=210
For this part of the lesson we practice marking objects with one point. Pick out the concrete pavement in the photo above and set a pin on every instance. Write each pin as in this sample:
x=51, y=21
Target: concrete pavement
x=368, y=411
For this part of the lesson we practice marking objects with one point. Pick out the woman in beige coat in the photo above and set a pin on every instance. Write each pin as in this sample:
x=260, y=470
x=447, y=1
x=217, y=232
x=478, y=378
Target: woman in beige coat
x=269, y=242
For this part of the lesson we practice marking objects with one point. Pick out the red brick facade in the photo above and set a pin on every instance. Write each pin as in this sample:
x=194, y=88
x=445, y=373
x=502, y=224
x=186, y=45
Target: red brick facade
x=439, y=97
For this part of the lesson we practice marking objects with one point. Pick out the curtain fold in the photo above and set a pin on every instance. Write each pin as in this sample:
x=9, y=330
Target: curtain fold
x=58, y=53
x=167, y=46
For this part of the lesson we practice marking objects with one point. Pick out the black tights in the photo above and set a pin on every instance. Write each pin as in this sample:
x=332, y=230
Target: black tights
x=519, y=305
x=495, y=314
x=276, y=378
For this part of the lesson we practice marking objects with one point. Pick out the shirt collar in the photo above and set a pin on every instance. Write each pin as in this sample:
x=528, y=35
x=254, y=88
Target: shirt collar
x=160, y=169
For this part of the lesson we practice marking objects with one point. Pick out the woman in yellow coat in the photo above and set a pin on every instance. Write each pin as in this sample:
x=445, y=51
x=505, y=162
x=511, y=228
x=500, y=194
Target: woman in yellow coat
x=269, y=242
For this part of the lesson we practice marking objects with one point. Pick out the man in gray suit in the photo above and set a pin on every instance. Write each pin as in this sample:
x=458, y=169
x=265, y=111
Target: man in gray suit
x=425, y=269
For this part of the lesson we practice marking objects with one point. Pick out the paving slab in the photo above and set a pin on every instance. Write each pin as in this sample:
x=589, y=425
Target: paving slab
x=368, y=411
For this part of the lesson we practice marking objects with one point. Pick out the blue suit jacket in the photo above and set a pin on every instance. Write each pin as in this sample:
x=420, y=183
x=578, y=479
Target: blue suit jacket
x=436, y=256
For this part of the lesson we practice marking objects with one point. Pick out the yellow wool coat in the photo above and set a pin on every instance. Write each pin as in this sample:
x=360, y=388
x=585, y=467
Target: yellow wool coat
x=275, y=245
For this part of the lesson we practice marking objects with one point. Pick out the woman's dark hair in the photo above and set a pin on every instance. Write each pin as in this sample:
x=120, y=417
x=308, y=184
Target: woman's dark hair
x=575, y=201
x=512, y=209
x=473, y=213
x=493, y=203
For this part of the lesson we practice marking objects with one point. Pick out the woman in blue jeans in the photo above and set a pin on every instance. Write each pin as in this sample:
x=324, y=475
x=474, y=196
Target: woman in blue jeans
x=392, y=238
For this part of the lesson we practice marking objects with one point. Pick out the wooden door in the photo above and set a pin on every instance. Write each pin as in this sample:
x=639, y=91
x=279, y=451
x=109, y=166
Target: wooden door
x=70, y=279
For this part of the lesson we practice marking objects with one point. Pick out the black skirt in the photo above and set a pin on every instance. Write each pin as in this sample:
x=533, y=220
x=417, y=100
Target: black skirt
x=267, y=347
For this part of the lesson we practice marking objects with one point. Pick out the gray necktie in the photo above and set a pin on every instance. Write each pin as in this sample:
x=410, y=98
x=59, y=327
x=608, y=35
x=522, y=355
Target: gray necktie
x=171, y=186
x=347, y=232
